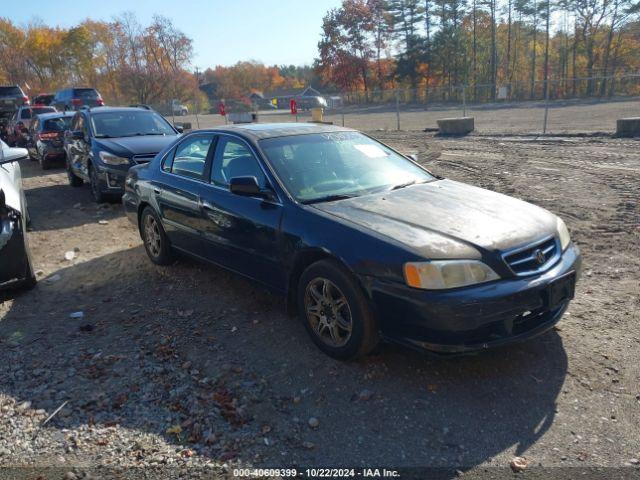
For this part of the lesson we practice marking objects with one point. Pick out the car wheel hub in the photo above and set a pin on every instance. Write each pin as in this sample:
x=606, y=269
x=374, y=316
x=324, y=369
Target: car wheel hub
x=152, y=235
x=328, y=312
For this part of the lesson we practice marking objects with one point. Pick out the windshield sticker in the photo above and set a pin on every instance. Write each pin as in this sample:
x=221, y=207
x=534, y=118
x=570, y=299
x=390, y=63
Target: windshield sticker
x=371, y=150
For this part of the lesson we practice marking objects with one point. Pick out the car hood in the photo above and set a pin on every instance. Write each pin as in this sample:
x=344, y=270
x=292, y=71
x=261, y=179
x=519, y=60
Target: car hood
x=447, y=219
x=128, y=146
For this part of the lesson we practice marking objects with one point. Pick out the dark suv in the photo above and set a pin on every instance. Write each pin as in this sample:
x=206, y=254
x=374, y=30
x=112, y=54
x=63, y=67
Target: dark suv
x=74, y=98
x=104, y=142
x=11, y=98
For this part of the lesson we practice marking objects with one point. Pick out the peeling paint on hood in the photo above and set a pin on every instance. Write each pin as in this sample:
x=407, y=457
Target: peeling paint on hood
x=447, y=219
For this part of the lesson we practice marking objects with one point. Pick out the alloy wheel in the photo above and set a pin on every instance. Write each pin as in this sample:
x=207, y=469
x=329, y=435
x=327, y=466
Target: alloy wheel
x=328, y=312
x=152, y=237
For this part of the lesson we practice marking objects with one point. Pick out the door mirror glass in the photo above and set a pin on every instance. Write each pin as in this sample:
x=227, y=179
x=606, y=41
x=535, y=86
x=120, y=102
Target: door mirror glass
x=179, y=128
x=13, y=155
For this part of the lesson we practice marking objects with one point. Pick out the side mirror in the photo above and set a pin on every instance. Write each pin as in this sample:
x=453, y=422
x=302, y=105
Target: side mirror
x=248, y=187
x=413, y=157
x=179, y=128
x=75, y=134
x=13, y=155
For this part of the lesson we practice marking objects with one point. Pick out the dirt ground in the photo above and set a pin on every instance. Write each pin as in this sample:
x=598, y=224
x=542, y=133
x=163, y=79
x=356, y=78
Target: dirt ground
x=190, y=365
x=565, y=117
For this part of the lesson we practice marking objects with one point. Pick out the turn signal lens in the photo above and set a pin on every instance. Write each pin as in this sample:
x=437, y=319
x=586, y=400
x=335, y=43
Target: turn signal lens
x=563, y=233
x=443, y=274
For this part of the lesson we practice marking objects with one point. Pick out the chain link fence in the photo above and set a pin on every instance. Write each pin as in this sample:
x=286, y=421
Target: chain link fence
x=567, y=106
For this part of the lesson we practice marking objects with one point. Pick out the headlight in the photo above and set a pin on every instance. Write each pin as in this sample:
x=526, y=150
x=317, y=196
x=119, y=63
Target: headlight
x=441, y=274
x=111, y=159
x=563, y=233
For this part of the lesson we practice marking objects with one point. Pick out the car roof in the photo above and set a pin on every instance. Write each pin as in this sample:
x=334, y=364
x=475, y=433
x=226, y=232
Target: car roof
x=260, y=131
x=113, y=109
x=47, y=116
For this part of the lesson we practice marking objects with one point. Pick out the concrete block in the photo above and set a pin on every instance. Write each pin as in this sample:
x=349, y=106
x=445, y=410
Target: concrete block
x=628, y=127
x=243, y=117
x=456, y=126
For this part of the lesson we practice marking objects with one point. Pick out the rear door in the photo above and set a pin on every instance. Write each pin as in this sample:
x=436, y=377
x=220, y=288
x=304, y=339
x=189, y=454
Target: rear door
x=242, y=233
x=177, y=191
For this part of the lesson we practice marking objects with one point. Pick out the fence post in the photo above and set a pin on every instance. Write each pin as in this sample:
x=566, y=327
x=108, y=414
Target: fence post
x=546, y=106
x=397, y=109
x=197, y=119
x=464, y=100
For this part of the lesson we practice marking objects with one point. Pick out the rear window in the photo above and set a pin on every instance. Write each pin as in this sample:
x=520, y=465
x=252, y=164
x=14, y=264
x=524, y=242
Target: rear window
x=85, y=93
x=30, y=112
x=10, y=91
x=57, y=124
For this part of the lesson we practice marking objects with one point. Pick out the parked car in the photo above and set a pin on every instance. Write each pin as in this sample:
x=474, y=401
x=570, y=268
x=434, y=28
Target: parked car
x=363, y=242
x=104, y=142
x=46, y=137
x=307, y=103
x=21, y=121
x=11, y=98
x=15, y=259
x=178, y=108
x=43, y=99
x=74, y=98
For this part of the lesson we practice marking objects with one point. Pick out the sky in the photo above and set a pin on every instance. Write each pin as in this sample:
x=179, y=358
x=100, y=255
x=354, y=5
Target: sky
x=223, y=31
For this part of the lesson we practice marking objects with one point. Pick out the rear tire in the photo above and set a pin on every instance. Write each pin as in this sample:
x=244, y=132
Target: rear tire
x=74, y=180
x=45, y=163
x=154, y=238
x=335, y=311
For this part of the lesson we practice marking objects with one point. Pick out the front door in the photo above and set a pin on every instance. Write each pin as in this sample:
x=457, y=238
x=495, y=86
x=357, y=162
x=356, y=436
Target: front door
x=242, y=232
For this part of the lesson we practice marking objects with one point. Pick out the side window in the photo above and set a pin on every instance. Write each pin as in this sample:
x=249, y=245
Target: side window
x=189, y=157
x=233, y=158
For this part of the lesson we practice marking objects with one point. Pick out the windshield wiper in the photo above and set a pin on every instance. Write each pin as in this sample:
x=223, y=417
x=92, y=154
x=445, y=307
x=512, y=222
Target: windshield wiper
x=328, y=198
x=406, y=184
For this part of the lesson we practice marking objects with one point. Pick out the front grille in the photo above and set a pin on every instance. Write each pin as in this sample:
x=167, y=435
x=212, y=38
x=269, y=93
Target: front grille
x=533, y=258
x=144, y=158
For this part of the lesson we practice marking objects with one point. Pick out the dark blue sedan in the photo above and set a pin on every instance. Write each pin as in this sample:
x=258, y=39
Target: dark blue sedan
x=364, y=243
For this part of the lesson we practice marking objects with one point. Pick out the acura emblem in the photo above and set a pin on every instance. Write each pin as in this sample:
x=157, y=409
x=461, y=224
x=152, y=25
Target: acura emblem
x=539, y=256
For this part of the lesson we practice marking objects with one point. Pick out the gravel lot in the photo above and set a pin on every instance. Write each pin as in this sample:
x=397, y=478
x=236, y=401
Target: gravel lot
x=189, y=365
x=565, y=117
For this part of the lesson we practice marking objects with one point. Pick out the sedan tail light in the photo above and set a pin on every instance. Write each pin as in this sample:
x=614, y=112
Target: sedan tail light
x=100, y=102
x=76, y=101
x=25, y=100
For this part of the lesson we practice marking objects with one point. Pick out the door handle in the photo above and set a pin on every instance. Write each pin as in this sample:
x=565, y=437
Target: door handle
x=157, y=191
x=206, y=205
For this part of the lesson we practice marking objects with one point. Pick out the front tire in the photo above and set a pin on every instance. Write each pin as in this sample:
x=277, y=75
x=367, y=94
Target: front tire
x=45, y=163
x=96, y=190
x=154, y=238
x=336, y=312
x=74, y=180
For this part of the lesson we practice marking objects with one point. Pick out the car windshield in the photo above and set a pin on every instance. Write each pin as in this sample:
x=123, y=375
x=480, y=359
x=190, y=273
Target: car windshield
x=85, y=93
x=129, y=124
x=30, y=112
x=59, y=124
x=331, y=166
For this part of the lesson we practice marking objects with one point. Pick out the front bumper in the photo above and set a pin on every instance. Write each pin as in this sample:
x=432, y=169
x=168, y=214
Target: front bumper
x=112, y=178
x=473, y=318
